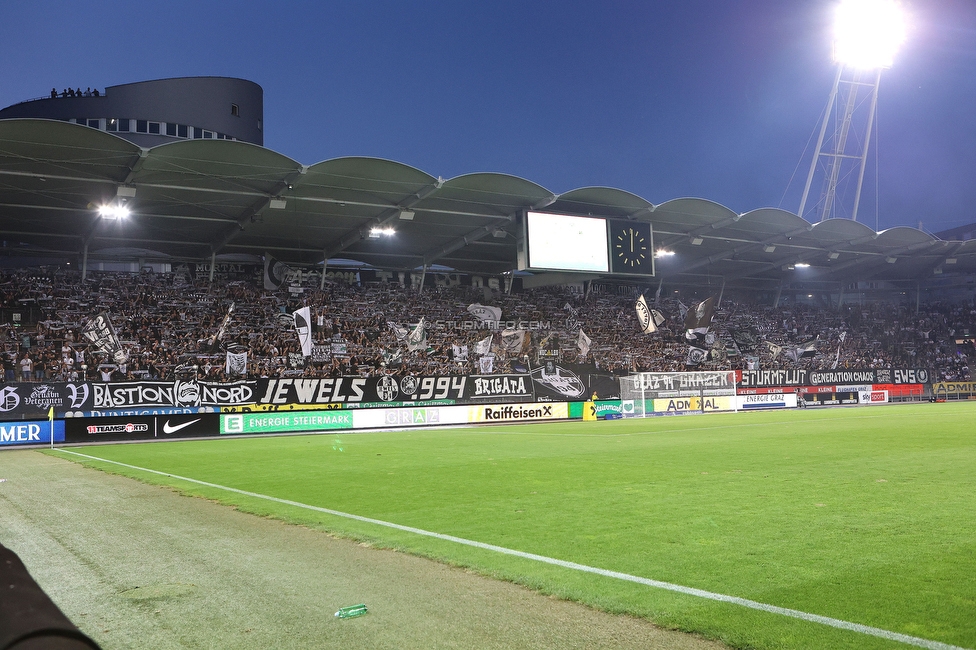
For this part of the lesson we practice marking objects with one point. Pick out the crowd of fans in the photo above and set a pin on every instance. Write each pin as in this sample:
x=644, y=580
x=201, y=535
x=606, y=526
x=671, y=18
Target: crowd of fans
x=70, y=92
x=169, y=326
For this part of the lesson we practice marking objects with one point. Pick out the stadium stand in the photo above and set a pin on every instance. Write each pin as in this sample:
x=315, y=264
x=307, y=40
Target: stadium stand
x=167, y=324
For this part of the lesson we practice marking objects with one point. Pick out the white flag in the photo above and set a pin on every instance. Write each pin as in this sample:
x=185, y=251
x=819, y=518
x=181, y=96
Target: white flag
x=695, y=356
x=774, y=349
x=101, y=335
x=399, y=331
x=417, y=339
x=460, y=352
x=644, y=317
x=486, y=364
x=236, y=363
x=303, y=327
x=583, y=342
x=512, y=341
x=484, y=345
x=485, y=313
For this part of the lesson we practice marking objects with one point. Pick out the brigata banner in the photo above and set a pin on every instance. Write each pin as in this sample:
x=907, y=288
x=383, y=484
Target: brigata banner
x=311, y=421
x=30, y=433
x=500, y=387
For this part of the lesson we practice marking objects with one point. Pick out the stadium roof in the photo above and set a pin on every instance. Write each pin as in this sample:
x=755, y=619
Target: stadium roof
x=194, y=199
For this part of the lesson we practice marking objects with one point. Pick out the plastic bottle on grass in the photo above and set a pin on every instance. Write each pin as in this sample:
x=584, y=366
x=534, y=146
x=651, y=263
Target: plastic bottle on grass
x=352, y=611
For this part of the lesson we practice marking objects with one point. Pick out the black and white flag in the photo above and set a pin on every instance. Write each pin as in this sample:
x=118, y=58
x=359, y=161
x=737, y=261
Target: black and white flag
x=236, y=363
x=274, y=272
x=417, y=339
x=303, y=328
x=649, y=319
x=101, y=335
x=697, y=320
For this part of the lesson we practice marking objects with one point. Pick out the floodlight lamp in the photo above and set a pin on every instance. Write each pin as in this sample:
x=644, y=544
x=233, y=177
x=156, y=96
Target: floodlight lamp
x=379, y=232
x=113, y=211
x=801, y=265
x=868, y=33
x=696, y=241
x=659, y=253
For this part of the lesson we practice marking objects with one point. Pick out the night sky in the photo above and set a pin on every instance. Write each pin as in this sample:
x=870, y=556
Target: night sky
x=711, y=99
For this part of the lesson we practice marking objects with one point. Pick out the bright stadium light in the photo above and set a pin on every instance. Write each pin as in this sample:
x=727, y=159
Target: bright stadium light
x=113, y=211
x=868, y=33
x=659, y=253
x=379, y=232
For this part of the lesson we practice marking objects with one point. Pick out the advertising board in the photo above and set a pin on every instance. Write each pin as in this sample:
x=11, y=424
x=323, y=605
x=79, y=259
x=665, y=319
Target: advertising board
x=518, y=412
x=140, y=427
x=246, y=423
x=767, y=401
x=30, y=432
x=694, y=404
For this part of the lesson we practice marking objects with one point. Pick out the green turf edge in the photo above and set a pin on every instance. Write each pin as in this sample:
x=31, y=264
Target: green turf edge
x=730, y=624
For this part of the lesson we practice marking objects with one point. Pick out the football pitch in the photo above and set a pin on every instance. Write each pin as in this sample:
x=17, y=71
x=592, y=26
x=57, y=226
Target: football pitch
x=833, y=528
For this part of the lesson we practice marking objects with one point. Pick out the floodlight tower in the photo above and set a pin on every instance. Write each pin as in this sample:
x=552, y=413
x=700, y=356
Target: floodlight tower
x=867, y=34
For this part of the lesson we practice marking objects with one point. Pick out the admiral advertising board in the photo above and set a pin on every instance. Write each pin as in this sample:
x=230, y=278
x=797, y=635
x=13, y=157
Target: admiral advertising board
x=955, y=388
x=140, y=427
x=30, y=432
x=694, y=404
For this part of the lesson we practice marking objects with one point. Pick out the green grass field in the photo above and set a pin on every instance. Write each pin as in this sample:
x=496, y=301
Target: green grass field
x=865, y=515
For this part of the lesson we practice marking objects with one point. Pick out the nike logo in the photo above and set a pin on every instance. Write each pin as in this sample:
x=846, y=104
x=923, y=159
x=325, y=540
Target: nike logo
x=168, y=429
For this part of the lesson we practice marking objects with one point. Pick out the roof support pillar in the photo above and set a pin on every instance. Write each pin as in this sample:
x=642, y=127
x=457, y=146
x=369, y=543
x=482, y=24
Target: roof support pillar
x=84, y=261
x=213, y=263
x=325, y=264
x=423, y=278
x=721, y=292
x=840, y=297
x=779, y=292
x=657, y=294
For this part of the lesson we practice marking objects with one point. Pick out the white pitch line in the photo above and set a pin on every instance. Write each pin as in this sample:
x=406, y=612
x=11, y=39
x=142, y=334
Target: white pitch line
x=690, y=591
